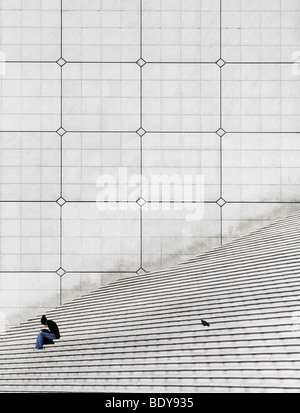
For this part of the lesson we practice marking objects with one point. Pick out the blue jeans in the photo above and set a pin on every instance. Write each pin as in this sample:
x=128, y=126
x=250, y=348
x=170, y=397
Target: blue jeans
x=40, y=338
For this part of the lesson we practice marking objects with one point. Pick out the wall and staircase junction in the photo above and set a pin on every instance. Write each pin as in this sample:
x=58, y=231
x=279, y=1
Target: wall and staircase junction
x=144, y=333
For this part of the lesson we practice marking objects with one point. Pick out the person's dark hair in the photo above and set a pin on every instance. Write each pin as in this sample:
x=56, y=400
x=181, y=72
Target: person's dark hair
x=43, y=319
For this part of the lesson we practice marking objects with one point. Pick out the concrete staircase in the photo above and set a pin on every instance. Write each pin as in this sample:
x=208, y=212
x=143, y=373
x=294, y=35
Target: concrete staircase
x=144, y=334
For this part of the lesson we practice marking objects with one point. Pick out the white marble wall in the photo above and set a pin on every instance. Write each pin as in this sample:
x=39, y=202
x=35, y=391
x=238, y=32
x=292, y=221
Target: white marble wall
x=131, y=88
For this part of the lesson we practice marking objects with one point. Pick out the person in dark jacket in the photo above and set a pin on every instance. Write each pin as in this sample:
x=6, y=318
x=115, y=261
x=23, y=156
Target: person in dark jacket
x=47, y=335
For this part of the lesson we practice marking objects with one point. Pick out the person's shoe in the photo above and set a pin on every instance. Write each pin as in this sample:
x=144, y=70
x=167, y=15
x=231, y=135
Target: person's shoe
x=38, y=348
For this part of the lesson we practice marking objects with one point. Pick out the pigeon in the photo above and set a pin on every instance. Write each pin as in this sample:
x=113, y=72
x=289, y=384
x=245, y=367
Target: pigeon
x=205, y=323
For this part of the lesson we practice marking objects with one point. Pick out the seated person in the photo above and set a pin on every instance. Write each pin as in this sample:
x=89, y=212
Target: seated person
x=47, y=335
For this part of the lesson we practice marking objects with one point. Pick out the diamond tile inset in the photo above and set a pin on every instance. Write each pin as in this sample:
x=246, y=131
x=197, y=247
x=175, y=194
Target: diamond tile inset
x=61, y=62
x=141, y=132
x=221, y=202
x=60, y=272
x=221, y=62
x=141, y=62
x=141, y=202
x=61, y=131
x=220, y=132
x=61, y=201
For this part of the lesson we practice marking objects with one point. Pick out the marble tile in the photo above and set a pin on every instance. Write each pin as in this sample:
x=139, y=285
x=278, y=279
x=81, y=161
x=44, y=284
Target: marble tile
x=30, y=99
x=30, y=166
x=101, y=97
x=102, y=240
x=261, y=169
x=101, y=31
x=257, y=98
x=92, y=161
x=181, y=97
x=30, y=240
x=30, y=30
x=189, y=161
x=264, y=32
x=181, y=31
